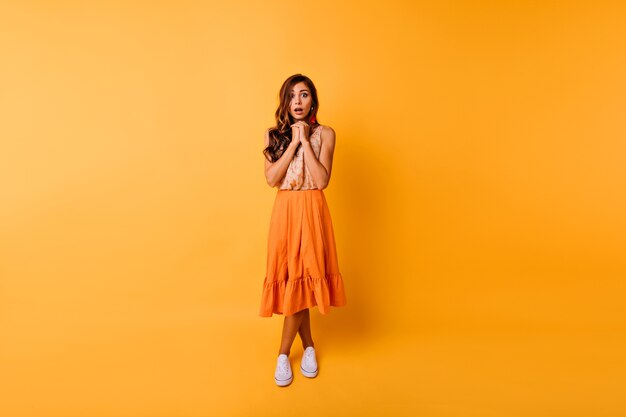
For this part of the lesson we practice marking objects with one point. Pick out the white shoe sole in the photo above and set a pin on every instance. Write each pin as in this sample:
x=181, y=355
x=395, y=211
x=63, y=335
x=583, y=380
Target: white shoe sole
x=307, y=373
x=283, y=383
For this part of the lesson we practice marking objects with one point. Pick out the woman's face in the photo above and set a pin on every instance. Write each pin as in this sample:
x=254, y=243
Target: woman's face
x=301, y=102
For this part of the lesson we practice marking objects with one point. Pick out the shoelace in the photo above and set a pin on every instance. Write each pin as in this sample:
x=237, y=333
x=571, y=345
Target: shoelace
x=283, y=367
x=309, y=358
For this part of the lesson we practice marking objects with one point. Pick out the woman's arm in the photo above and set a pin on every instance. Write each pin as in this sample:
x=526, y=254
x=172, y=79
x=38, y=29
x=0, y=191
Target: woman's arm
x=320, y=169
x=275, y=171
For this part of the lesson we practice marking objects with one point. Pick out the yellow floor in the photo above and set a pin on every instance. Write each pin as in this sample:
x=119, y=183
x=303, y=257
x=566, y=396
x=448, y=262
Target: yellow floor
x=221, y=363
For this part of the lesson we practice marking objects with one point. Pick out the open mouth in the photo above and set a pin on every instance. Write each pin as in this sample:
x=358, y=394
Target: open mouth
x=298, y=110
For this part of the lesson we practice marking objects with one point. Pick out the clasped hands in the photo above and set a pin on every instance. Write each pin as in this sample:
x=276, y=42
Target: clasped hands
x=300, y=132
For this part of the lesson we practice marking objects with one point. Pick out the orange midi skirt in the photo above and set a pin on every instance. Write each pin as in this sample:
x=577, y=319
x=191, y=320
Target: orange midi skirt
x=302, y=269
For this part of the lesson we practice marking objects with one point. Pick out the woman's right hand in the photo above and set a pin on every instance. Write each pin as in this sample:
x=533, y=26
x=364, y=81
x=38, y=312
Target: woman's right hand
x=295, y=135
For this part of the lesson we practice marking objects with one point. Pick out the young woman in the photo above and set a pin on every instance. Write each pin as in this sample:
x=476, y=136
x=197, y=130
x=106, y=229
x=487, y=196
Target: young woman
x=302, y=268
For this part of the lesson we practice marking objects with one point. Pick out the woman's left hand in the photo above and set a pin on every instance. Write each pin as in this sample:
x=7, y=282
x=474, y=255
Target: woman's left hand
x=304, y=131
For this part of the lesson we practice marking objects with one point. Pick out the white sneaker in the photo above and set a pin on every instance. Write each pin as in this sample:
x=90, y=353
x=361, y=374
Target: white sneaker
x=283, y=375
x=308, y=366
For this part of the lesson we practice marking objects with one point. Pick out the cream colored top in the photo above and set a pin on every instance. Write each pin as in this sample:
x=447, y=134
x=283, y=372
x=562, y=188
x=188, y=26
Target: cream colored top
x=298, y=176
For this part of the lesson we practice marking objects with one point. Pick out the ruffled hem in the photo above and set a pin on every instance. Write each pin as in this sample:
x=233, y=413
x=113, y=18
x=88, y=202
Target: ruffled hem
x=292, y=295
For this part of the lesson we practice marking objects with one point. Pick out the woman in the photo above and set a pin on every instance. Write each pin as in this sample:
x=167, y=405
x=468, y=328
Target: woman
x=302, y=268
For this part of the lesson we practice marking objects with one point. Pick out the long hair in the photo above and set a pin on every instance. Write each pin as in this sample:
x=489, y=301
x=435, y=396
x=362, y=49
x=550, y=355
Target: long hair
x=280, y=135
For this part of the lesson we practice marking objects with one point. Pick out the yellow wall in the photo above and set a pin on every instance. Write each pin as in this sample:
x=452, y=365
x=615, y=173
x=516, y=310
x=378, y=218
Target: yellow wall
x=477, y=199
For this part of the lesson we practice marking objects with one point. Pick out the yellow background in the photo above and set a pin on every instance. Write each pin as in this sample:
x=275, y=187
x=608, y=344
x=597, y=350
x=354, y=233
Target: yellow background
x=477, y=198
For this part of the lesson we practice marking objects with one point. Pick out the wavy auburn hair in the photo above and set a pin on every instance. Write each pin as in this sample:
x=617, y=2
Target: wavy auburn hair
x=280, y=135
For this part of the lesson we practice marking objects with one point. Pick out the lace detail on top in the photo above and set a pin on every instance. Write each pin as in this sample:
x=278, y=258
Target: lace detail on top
x=298, y=176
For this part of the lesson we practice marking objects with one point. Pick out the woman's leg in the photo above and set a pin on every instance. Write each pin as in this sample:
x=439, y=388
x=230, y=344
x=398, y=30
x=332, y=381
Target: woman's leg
x=305, y=330
x=290, y=329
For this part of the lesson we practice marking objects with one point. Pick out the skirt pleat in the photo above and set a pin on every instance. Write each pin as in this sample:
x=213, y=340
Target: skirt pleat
x=302, y=270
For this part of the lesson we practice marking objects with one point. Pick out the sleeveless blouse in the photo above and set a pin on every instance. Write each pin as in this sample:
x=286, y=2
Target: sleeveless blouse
x=298, y=176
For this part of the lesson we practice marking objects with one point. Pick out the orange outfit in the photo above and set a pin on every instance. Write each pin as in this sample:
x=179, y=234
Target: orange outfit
x=302, y=269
